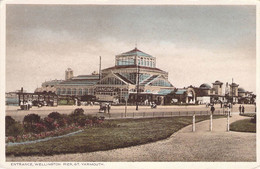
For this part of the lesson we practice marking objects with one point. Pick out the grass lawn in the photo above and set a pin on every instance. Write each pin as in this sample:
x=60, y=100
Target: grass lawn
x=243, y=126
x=124, y=133
x=248, y=114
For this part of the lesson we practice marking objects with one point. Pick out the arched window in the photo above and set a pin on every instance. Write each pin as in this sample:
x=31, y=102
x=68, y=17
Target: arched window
x=91, y=91
x=69, y=91
x=58, y=91
x=85, y=92
x=80, y=92
x=74, y=91
x=63, y=91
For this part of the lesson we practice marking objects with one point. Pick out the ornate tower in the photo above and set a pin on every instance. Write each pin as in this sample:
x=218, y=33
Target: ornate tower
x=217, y=86
x=233, y=89
x=68, y=74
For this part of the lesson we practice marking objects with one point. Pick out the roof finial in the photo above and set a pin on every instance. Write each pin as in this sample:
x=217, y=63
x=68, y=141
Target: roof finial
x=135, y=45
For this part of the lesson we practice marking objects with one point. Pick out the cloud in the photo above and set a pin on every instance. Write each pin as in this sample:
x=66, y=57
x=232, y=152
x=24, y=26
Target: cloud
x=195, y=44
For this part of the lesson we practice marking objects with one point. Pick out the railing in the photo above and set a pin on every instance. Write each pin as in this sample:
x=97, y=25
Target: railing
x=159, y=114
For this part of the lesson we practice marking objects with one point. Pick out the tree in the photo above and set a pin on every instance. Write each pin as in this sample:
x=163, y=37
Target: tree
x=12, y=127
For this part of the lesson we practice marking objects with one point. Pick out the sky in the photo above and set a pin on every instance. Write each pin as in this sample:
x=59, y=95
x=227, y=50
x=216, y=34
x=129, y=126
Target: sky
x=194, y=44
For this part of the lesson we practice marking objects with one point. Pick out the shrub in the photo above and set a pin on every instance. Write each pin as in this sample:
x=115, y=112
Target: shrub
x=14, y=129
x=39, y=127
x=78, y=112
x=67, y=119
x=81, y=120
x=9, y=121
x=95, y=119
x=77, y=115
x=62, y=122
x=29, y=120
x=49, y=123
x=55, y=115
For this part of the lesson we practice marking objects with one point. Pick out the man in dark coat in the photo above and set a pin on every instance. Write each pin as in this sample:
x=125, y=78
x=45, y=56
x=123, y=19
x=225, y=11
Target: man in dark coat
x=243, y=109
x=240, y=109
x=212, y=109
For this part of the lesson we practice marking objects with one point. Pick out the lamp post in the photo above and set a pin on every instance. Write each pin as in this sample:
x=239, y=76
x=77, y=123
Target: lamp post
x=232, y=94
x=137, y=87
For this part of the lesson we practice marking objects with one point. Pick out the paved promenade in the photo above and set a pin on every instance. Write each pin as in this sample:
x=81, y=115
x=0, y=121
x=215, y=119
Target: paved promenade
x=119, y=111
x=184, y=145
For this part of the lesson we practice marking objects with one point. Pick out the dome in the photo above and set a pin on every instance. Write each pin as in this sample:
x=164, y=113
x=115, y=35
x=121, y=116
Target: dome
x=205, y=86
x=217, y=82
x=241, y=90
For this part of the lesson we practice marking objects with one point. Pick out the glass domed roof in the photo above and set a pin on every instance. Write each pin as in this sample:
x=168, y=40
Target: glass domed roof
x=205, y=86
x=241, y=90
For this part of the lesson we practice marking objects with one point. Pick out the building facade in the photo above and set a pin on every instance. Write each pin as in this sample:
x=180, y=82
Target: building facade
x=134, y=77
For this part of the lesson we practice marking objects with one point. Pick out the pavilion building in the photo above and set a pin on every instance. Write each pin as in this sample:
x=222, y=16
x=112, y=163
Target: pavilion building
x=133, y=77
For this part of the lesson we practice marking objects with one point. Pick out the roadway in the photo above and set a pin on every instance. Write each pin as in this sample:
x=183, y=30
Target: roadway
x=119, y=111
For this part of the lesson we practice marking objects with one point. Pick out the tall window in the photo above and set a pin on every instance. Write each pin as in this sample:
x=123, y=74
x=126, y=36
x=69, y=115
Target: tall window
x=161, y=83
x=125, y=61
x=63, y=91
x=85, y=92
x=58, y=91
x=80, y=92
x=69, y=91
x=74, y=91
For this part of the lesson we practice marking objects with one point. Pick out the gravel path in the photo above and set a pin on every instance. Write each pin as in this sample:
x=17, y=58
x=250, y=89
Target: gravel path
x=201, y=145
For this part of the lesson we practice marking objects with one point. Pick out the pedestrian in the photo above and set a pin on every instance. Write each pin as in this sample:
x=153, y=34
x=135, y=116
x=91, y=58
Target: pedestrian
x=243, y=109
x=26, y=105
x=240, y=109
x=221, y=104
x=212, y=109
x=229, y=109
x=108, y=108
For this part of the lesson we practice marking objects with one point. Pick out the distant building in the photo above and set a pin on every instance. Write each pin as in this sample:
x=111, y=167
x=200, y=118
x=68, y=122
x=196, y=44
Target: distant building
x=78, y=86
x=135, y=77
x=119, y=82
x=48, y=86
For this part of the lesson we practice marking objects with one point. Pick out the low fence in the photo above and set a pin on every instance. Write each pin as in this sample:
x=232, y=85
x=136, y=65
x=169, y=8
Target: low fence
x=159, y=114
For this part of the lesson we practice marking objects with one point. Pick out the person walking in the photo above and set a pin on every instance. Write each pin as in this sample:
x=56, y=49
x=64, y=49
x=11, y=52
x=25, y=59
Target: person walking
x=212, y=109
x=229, y=109
x=243, y=109
x=240, y=109
x=108, y=108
